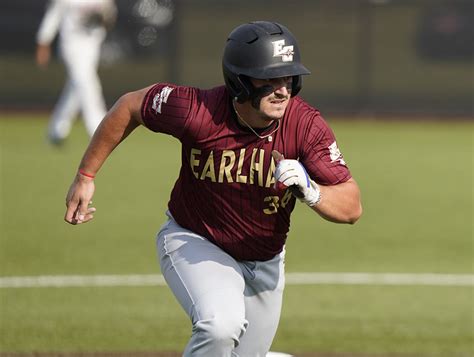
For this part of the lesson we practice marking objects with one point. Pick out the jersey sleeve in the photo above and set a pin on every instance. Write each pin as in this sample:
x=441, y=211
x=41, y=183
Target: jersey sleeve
x=322, y=157
x=166, y=108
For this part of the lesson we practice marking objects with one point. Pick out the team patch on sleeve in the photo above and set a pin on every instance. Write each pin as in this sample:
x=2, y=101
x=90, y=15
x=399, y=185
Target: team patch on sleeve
x=166, y=108
x=160, y=98
x=335, y=153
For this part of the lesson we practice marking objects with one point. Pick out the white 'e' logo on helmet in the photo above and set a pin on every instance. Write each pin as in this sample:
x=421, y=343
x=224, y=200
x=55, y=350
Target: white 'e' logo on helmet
x=285, y=52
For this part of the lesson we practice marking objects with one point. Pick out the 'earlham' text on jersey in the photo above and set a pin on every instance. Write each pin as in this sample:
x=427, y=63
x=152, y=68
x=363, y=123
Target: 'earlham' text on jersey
x=224, y=191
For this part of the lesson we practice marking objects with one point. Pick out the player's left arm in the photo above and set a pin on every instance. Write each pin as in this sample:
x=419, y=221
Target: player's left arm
x=338, y=203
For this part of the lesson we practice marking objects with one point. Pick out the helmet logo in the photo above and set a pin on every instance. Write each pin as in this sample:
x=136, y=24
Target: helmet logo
x=280, y=50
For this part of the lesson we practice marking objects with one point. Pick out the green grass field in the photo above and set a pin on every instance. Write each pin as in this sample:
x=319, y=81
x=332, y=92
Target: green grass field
x=416, y=181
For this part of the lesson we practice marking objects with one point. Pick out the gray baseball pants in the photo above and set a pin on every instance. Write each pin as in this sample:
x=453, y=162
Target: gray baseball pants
x=234, y=306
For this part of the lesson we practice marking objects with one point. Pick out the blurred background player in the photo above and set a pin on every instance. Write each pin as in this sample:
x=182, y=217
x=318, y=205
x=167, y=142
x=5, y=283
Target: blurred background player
x=82, y=26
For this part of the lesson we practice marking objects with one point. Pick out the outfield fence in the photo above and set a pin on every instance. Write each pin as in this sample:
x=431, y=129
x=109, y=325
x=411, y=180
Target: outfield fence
x=366, y=56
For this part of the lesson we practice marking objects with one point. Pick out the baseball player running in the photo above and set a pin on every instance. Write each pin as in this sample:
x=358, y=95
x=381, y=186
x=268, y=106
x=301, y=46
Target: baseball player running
x=249, y=149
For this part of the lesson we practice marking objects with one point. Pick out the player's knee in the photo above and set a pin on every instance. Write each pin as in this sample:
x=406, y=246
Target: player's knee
x=223, y=329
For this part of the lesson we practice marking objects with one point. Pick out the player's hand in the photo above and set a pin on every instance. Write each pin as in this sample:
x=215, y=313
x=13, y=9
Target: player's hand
x=43, y=55
x=79, y=199
x=292, y=174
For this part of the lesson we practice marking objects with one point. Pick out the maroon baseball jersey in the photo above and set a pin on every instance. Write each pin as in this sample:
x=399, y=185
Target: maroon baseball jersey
x=224, y=191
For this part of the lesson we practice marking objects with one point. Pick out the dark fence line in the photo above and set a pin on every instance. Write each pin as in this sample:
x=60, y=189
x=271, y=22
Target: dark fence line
x=366, y=56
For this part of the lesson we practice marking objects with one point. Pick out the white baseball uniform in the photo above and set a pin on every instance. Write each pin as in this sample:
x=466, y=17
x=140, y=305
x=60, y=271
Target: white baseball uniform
x=222, y=296
x=81, y=34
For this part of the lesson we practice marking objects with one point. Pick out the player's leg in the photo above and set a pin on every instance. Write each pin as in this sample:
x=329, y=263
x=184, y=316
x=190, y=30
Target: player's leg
x=64, y=114
x=209, y=285
x=82, y=65
x=263, y=300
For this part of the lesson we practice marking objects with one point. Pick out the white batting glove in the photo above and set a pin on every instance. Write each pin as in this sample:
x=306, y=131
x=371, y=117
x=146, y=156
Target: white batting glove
x=292, y=174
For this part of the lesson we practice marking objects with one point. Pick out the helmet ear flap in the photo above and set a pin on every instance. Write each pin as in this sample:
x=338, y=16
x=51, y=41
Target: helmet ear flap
x=247, y=89
x=296, y=85
x=239, y=87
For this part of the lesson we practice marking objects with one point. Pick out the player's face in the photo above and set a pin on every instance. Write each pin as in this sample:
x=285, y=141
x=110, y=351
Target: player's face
x=273, y=105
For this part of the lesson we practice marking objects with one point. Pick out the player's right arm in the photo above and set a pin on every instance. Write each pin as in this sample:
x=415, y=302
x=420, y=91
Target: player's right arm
x=47, y=31
x=118, y=123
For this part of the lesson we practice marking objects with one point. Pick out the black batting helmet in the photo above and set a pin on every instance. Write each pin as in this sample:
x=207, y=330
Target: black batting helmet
x=261, y=50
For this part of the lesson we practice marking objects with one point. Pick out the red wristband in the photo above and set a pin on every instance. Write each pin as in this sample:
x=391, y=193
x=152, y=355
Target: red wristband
x=83, y=173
